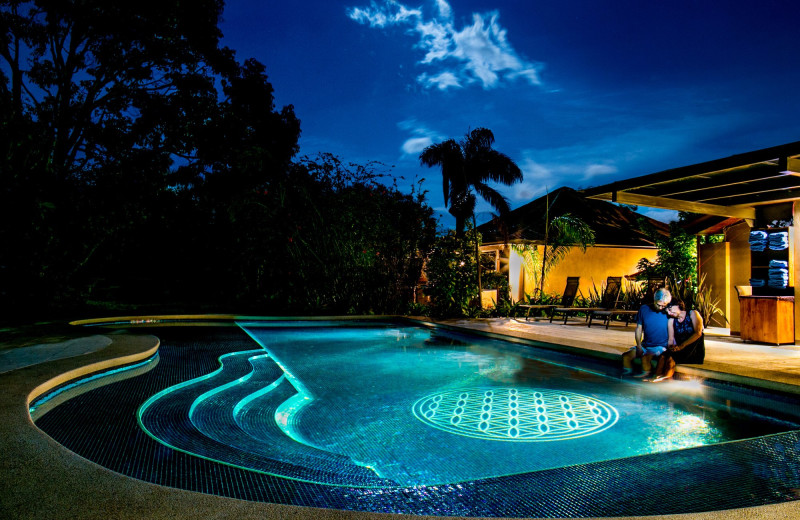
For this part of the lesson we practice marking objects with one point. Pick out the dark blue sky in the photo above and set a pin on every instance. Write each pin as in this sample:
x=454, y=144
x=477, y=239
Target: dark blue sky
x=578, y=92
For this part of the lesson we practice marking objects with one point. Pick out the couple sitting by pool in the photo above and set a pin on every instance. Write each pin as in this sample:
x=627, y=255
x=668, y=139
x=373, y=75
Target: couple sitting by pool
x=668, y=333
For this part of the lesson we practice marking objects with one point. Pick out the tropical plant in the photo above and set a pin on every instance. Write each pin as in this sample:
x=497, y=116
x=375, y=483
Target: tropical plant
x=632, y=294
x=676, y=258
x=417, y=309
x=700, y=299
x=593, y=296
x=506, y=309
x=531, y=262
x=561, y=234
x=706, y=304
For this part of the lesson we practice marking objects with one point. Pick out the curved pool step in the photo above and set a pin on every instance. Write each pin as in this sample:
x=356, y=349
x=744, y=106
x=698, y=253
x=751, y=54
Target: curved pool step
x=242, y=415
x=198, y=417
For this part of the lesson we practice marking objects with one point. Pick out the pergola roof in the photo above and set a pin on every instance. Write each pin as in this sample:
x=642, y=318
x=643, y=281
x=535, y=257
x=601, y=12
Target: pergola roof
x=731, y=187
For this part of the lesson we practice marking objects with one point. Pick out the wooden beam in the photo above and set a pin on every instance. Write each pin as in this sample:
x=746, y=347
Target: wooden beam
x=623, y=197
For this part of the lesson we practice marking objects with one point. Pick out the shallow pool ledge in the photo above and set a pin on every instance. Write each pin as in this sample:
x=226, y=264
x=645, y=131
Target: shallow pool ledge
x=724, y=362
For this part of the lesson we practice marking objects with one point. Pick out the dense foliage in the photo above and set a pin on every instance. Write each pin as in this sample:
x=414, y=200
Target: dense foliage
x=676, y=259
x=341, y=242
x=141, y=163
x=450, y=269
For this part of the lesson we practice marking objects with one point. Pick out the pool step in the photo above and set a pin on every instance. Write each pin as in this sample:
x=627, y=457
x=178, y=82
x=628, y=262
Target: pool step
x=229, y=416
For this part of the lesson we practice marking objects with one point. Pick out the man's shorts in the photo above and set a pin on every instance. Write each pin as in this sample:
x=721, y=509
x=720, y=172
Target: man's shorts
x=651, y=351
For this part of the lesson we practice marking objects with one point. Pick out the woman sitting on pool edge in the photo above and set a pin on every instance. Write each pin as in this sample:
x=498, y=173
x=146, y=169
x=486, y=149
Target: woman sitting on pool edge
x=686, y=340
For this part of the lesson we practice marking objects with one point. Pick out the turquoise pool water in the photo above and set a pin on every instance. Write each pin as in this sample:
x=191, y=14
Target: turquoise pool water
x=398, y=405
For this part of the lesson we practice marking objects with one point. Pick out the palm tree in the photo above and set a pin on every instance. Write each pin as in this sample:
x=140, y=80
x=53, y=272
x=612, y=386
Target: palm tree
x=466, y=168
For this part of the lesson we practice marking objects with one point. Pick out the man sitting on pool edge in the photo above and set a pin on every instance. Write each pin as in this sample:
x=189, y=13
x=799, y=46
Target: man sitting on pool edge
x=652, y=334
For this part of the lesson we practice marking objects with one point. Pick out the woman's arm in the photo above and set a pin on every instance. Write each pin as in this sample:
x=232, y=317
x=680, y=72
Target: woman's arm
x=697, y=325
x=671, y=331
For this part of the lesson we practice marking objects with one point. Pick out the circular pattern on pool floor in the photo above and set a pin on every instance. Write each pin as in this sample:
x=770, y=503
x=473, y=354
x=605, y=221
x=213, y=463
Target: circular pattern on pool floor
x=512, y=414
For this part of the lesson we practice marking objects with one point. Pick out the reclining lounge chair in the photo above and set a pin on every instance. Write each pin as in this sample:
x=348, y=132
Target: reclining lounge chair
x=620, y=311
x=608, y=301
x=570, y=291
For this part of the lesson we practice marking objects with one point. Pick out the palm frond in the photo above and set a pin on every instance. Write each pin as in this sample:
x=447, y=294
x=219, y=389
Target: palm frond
x=493, y=197
x=569, y=230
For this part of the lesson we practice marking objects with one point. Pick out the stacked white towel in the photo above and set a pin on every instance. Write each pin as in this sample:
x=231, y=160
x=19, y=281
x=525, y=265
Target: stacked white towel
x=757, y=282
x=758, y=240
x=778, y=241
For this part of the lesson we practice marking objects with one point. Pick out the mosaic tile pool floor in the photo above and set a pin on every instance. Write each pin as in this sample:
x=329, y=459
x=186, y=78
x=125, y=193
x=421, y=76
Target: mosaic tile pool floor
x=101, y=425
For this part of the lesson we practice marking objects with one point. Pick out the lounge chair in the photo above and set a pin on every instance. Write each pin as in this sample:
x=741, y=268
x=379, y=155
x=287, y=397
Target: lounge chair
x=570, y=291
x=620, y=311
x=608, y=301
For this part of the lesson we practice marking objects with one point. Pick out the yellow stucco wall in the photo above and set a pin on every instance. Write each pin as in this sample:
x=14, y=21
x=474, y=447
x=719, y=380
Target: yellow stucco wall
x=738, y=237
x=713, y=260
x=593, y=266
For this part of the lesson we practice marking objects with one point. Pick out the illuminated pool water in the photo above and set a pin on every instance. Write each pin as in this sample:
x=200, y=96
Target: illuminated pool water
x=388, y=416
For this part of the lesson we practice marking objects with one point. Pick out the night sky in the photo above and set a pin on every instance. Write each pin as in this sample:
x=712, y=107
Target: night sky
x=578, y=92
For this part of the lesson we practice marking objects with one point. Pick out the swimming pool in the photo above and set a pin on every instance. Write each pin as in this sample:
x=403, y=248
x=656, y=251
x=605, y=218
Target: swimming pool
x=390, y=417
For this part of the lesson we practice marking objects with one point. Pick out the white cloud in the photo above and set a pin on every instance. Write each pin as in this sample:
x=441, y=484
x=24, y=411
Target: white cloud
x=415, y=145
x=664, y=215
x=594, y=170
x=479, y=53
x=525, y=191
x=549, y=169
x=441, y=81
x=444, y=8
x=436, y=39
x=485, y=51
x=422, y=137
x=390, y=13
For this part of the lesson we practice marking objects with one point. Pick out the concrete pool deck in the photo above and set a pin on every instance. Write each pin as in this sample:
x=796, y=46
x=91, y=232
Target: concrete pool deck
x=41, y=479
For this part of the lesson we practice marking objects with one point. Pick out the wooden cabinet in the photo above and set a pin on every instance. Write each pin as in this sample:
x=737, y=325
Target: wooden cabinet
x=767, y=319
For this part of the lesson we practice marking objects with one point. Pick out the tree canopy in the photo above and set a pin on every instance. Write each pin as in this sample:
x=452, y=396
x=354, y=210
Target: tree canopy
x=141, y=160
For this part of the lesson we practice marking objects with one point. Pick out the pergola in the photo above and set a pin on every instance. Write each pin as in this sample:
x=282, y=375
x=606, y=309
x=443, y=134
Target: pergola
x=731, y=187
x=731, y=196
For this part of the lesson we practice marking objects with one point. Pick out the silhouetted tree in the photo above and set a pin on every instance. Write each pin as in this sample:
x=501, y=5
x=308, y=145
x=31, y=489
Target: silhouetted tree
x=114, y=114
x=143, y=163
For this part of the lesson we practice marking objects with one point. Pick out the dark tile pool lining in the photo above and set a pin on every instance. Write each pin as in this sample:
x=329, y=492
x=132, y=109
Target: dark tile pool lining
x=726, y=476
